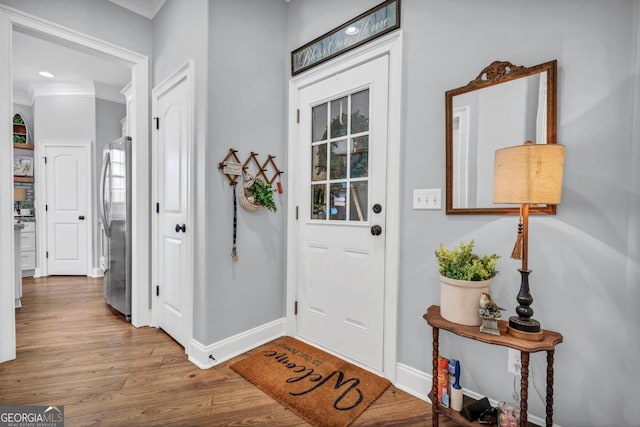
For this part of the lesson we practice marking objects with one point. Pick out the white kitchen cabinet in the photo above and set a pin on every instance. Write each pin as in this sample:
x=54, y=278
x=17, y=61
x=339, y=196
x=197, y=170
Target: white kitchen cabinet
x=28, y=248
x=17, y=228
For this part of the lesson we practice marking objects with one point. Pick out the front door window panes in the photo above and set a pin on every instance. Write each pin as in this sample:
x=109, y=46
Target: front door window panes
x=340, y=159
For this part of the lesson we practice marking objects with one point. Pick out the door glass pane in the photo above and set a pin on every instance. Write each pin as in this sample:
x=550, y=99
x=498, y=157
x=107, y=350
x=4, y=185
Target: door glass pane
x=360, y=157
x=340, y=145
x=318, y=202
x=360, y=111
x=359, y=196
x=339, y=117
x=319, y=123
x=319, y=162
x=339, y=159
x=338, y=201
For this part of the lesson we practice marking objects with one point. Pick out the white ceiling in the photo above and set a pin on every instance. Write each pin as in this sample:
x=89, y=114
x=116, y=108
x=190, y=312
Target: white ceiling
x=68, y=64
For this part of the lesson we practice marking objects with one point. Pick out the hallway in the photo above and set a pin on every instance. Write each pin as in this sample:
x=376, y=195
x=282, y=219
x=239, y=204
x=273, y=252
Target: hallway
x=72, y=350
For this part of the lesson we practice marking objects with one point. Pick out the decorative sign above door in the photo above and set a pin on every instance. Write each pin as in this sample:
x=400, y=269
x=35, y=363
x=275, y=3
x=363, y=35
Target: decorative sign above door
x=371, y=24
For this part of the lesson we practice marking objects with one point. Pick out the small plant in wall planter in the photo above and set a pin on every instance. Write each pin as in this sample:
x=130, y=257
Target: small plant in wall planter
x=263, y=194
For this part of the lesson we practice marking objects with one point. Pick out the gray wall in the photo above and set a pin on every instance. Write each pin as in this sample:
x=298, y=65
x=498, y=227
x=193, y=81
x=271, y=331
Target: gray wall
x=585, y=259
x=247, y=101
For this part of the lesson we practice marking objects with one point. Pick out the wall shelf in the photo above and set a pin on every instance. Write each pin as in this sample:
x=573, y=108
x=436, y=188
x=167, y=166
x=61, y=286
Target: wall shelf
x=23, y=178
x=23, y=146
x=548, y=344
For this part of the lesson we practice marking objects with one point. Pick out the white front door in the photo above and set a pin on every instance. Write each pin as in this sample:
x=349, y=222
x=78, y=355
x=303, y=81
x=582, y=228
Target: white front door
x=341, y=198
x=173, y=130
x=67, y=209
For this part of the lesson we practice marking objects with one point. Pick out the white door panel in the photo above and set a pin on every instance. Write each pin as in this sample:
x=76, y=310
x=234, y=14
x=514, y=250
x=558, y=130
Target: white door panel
x=172, y=107
x=342, y=160
x=67, y=209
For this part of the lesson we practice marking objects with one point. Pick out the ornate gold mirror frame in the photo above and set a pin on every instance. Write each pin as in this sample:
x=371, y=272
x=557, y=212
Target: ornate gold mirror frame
x=503, y=106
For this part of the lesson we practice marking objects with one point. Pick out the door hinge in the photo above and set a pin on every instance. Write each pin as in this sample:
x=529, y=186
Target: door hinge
x=295, y=308
x=157, y=207
x=157, y=119
x=46, y=207
x=47, y=255
x=298, y=116
x=45, y=160
x=157, y=290
x=296, y=212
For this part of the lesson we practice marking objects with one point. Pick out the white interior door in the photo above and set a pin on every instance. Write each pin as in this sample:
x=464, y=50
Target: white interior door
x=341, y=200
x=67, y=209
x=172, y=108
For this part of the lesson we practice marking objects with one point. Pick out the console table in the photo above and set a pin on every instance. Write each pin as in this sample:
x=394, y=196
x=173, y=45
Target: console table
x=548, y=344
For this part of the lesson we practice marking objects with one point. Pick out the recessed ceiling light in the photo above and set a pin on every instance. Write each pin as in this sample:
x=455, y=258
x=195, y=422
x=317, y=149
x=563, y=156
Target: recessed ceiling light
x=46, y=74
x=352, y=30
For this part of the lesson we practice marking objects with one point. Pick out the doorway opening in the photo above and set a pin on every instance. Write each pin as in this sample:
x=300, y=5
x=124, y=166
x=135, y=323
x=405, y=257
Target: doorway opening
x=12, y=22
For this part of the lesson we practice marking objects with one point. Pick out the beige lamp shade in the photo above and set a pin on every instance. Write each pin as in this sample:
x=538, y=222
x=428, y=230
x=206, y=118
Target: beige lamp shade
x=529, y=173
x=19, y=194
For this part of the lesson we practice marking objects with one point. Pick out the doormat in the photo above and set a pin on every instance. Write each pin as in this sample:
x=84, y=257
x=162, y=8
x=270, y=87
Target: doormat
x=319, y=387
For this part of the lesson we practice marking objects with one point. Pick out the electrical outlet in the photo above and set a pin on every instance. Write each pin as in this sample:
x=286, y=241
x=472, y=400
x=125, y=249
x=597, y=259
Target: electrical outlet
x=514, y=363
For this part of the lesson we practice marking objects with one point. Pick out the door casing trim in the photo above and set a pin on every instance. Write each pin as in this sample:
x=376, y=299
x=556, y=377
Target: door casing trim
x=390, y=45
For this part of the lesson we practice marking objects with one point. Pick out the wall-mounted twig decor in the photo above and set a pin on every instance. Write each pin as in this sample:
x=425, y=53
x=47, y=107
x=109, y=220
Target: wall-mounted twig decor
x=233, y=168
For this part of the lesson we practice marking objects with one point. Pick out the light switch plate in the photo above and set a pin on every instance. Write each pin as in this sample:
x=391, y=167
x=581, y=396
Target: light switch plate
x=427, y=198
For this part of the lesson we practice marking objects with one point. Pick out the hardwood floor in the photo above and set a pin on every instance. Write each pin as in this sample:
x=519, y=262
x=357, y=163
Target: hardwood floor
x=72, y=350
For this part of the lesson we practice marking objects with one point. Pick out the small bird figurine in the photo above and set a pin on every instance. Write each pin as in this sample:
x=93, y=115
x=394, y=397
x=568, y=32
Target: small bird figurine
x=486, y=303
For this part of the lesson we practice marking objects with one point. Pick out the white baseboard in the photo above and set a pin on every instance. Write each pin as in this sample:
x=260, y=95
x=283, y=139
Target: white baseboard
x=418, y=384
x=97, y=272
x=413, y=381
x=234, y=346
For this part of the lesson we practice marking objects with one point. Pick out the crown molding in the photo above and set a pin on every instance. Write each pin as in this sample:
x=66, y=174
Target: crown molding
x=86, y=88
x=146, y=8
x=109, y=93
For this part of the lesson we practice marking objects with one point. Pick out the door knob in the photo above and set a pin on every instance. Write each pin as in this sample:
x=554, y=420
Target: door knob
x=181, y=227
x=376, y=230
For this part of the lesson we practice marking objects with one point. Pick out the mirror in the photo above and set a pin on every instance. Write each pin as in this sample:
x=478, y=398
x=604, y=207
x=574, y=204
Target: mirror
x=504, y=106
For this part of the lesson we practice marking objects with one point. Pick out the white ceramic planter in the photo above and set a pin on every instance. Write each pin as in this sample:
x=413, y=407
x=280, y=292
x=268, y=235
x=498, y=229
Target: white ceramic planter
x=460, y=300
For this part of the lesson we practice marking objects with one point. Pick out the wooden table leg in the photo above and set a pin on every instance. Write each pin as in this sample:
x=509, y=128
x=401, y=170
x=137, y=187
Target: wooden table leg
x=549, y=420
x=524, y=388
x=434, y=385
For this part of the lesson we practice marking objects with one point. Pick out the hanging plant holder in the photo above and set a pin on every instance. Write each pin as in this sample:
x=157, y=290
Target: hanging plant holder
x=253, y=193
x=245, y=198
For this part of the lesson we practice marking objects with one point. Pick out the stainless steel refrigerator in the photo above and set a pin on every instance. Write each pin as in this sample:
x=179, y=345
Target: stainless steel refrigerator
x=115, y=209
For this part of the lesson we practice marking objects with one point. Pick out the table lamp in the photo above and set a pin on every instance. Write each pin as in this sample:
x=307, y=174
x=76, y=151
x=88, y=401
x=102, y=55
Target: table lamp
x=19, y=195
x=527, y=174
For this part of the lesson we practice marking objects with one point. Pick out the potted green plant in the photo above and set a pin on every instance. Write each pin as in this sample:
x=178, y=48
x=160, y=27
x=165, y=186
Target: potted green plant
x=26, y=207
x=464, y=276
x=263, y=194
